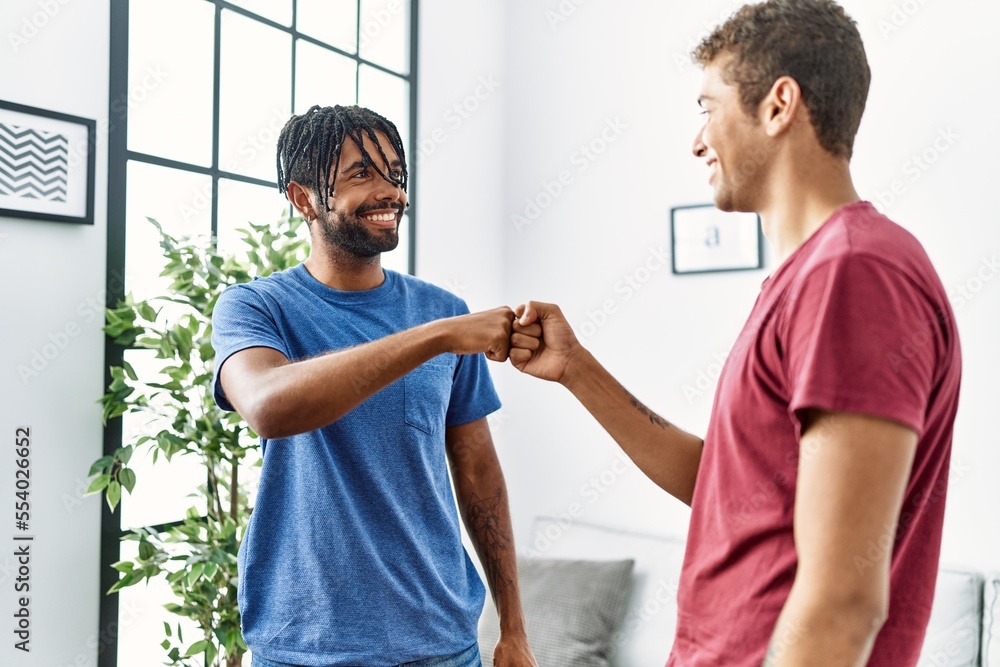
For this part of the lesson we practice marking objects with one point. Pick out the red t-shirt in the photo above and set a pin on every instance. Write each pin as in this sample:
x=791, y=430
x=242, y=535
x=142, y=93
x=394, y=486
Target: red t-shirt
x=855, y=320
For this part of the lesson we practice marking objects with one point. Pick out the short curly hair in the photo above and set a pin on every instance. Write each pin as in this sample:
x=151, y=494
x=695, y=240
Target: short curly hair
x=813, y=41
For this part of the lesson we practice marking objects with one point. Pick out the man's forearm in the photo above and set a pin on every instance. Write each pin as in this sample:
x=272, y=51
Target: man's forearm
x=309, y=394
x=487, y=518
x=482, y=499
x=832, y=634
x=666, y=454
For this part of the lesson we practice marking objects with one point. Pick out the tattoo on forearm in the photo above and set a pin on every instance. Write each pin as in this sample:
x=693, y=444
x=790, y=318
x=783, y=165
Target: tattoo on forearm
x=772, y=655
x=484, y=517
x=654, y=419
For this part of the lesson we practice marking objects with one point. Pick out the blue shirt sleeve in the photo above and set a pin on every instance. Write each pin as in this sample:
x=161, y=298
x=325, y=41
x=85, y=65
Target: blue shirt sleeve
x=240, y=320
x=472, y=393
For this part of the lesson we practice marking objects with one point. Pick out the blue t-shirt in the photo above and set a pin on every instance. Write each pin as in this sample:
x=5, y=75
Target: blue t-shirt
x=353, y=555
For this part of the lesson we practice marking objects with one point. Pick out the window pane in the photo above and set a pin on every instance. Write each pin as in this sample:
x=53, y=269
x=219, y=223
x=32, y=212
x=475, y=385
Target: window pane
x=255, y=95
x=240, y=203
x=323, y=77
x=162, y=489
x=399, y=259
x=332, y=21
x=181, y=202
x=141, y=616
x=385, y=33
x=388, y=95
x=279, y=11
x=169, y=99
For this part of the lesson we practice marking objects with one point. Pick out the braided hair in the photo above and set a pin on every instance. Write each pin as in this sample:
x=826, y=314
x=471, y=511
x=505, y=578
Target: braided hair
x=309, y=145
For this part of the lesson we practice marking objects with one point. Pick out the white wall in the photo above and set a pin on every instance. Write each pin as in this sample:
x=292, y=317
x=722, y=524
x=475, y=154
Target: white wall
x=566, y=77
x=53, y=278
x=460, y=134
x=559, y=85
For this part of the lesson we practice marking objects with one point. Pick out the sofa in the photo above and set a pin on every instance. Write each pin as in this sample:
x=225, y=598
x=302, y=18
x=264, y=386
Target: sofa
x=597, y=596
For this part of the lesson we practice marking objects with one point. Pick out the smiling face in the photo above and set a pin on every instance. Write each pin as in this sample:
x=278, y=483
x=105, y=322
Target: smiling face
x=733, y=144
x=365, y=208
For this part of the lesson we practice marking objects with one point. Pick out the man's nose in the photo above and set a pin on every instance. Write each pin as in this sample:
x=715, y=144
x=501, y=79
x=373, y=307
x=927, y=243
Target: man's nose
x=699, y=148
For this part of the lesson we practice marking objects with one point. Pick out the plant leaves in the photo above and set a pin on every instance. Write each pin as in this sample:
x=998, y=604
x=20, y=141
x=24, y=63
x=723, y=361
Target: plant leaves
x=194, y=573
x=99, y=483
x=196, y=648
x=113, y=494
x=146, y=550
x=100, y=464
x=126, y=476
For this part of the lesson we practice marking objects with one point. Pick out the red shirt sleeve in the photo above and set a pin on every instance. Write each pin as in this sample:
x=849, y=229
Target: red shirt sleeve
x=858, y=336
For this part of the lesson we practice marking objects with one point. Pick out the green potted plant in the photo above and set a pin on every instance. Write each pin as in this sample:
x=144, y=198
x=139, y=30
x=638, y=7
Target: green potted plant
x=196, y=556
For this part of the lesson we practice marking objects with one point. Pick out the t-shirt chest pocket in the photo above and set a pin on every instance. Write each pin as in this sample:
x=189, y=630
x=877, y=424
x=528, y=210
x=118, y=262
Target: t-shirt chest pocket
x=426, y=392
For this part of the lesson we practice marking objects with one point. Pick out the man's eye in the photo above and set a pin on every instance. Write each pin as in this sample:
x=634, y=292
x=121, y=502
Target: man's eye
x=361, y=174
x=396, y=175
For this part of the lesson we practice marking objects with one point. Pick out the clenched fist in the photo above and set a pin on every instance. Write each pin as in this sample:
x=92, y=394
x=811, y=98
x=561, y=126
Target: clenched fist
x=542, y=343
x=487, y=332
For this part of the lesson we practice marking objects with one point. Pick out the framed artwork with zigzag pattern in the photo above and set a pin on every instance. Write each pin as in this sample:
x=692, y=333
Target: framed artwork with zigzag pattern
x=46, y=164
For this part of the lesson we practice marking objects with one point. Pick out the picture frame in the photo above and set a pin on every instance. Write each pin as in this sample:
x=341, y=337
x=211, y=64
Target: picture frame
x=47, y=164
x=704, y=239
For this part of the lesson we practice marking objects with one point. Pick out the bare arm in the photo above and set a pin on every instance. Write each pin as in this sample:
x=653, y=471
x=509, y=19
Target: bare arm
x=543, y=345
x=853, y=472
x=482, y=500
x=279, y=398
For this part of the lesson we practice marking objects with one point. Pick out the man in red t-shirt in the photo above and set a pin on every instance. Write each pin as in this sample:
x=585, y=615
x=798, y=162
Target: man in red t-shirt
x=817, y=494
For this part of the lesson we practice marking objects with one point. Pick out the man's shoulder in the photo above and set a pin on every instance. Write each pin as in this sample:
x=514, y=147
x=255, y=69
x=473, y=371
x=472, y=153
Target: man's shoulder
x=861, y=235
x=262, y=285
x=419, y=290
x=256, y=294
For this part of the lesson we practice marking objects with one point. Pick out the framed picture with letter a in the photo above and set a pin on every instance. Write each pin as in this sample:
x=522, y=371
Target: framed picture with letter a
x=704, y=239
x=46, y=165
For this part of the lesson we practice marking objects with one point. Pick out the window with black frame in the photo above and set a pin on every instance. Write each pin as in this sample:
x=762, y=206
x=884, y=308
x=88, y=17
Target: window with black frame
x=200, y=90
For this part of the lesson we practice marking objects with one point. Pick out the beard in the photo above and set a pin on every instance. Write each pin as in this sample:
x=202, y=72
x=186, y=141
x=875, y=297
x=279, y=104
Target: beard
x=350, y=234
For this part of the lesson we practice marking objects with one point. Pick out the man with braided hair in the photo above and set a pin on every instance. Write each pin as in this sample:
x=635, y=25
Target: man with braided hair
x=365, y=385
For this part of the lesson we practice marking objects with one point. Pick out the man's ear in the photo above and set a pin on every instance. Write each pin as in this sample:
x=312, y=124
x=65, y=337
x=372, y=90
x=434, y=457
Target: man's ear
x=303, y=200
x=782, y=106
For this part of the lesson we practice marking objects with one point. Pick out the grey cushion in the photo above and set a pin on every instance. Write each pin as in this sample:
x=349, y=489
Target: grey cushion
x=572, y=608
x=991, y=621
x=955, y=625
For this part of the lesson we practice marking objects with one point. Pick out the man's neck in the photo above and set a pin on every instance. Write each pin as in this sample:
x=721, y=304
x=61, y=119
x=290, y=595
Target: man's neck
x=345, y=272
x=803, y=202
